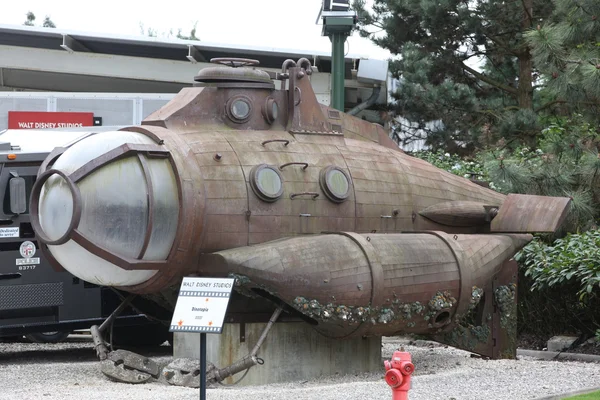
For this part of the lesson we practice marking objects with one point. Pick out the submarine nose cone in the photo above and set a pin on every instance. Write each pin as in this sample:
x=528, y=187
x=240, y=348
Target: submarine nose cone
x=108, y=208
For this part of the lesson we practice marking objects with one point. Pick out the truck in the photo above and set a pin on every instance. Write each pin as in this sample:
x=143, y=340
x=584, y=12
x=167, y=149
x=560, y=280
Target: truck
x=37, y=301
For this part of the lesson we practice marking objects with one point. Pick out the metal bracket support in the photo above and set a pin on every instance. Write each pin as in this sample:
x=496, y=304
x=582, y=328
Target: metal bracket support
x=247, y=362
x=72, y=45
x=194, y=55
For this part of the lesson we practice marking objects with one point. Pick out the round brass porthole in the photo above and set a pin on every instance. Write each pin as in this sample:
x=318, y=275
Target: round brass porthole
x=335, y=182
x=239, y=109
x=266, y=182
x=270, y=110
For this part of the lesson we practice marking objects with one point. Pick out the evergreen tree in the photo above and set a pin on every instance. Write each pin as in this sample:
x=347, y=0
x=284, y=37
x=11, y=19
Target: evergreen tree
x=565, y=163
x=566, y=49
x=30, y=21
x=179, y=35
x=48, y=23
x=441, y=43
x=191, y=36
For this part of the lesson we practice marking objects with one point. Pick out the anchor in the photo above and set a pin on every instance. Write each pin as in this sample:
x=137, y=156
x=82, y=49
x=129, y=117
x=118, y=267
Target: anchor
x=122, y=365
x=129, y=367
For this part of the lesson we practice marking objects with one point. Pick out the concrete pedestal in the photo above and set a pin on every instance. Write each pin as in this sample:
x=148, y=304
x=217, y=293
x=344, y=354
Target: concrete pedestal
x=292, y=351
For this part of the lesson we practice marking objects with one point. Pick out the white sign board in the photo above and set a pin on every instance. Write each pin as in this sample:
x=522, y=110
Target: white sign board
x=201, y=305
x=9, y=232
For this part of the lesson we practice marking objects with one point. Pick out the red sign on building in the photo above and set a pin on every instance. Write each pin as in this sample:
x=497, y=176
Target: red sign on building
x=47, y=120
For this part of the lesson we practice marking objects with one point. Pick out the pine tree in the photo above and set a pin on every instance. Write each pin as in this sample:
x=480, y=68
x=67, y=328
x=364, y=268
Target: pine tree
x=152, y=32
x=567, y=50
x=566, y=53
x=48, y=23
x=566, y=162
x=30, y=21
x=440, y=44
x=191, y=36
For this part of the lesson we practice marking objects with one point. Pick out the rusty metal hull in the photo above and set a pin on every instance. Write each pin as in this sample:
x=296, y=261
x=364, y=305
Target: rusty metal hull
x=372, y=284
x=388, y=189
x=409, y=248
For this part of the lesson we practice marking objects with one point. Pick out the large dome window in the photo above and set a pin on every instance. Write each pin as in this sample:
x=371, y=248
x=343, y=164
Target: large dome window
x=112, y=201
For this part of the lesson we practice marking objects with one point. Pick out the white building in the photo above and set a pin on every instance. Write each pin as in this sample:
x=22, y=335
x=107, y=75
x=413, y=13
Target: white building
x=89, y=69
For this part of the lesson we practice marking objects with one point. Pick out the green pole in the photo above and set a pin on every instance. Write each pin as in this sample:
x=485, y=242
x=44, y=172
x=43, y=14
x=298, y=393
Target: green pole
x=337, y=70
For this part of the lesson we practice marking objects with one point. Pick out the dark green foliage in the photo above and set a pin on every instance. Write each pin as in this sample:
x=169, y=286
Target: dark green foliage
x=191, y=36
x=30, y=21
x=566, y=49
x=440, y=44
x=559, y=287
x=565, y=163
x=464, y=167
x=48, y=23
x=179, y=35
x=574, y=259
x=556, y=310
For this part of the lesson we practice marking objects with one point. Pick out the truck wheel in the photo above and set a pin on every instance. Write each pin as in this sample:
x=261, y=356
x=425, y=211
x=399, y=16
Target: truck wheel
x=47, y=337
x=141, y=335
x=11, y=339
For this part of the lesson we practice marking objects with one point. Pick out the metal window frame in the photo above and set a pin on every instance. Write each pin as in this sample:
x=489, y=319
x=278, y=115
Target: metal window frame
x=143, y=152
x=328, y=190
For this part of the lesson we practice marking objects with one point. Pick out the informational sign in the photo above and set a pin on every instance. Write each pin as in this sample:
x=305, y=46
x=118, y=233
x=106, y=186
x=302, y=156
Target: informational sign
x=48, y=120
x=201, y=305
x=9, y=232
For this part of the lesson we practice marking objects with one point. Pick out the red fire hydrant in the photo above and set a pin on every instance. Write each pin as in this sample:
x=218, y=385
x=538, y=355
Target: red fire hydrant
x=398, y=372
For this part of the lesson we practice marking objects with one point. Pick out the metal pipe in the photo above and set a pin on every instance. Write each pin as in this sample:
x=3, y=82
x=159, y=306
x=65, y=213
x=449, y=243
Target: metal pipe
x=248, y=361
x=337, y=70
x=99, y=345
x=264, y=333
x=116, y=313
x=101, y=350
x=368, y=103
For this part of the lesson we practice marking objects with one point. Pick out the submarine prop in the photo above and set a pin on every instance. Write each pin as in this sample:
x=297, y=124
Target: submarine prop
x=316, y=213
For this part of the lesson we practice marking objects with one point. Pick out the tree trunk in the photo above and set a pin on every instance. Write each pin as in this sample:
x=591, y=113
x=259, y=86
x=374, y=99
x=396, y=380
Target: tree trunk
x=525, y=92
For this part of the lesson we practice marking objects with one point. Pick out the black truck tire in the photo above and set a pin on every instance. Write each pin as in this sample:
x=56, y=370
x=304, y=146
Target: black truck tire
x=47, y=337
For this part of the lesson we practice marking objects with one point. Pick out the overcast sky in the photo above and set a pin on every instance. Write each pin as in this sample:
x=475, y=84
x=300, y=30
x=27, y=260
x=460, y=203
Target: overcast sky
x=284, y=24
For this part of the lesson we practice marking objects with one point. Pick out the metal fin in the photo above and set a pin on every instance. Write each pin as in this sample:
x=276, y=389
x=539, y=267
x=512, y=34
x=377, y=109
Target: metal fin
x=522, y=213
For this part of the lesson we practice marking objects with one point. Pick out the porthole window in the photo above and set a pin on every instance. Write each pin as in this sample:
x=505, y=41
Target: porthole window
x=270, y=110
x=335, y=182
x=239, y=109
x=266, y=182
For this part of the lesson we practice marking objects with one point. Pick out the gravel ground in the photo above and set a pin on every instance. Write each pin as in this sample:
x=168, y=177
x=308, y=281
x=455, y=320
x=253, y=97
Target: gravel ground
x=70, y=371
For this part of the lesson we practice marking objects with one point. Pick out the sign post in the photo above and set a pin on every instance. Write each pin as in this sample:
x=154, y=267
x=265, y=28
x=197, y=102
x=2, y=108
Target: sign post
x=201, y=307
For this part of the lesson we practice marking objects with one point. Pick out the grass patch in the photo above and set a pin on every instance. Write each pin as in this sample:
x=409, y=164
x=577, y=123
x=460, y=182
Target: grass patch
x=589, y=396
